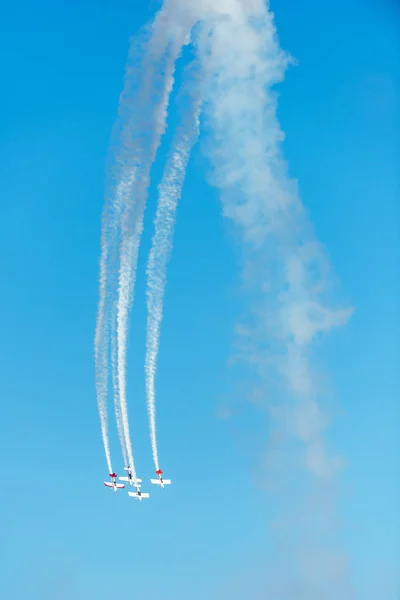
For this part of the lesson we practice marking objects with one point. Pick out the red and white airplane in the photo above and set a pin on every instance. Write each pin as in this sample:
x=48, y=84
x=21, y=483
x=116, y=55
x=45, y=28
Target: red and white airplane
x=130, y=479
x=116, y=486
x=160, y=480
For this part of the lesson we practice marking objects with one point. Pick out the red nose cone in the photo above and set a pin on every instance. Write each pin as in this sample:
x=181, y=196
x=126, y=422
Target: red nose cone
x=159, y=472
x=113, y=475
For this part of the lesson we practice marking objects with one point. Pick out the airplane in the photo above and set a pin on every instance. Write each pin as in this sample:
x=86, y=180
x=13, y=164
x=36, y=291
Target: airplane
x=160, y=480
x=138, y=495
x=116, y=486
x=130, y=479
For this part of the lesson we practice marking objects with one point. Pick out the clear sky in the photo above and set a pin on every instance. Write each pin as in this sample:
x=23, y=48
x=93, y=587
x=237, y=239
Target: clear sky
x=63, y=535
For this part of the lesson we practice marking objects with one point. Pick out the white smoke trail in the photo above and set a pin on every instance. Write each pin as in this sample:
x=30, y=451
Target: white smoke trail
x=100, y=352
x=124, y=187
x=144, y=127
x=170, y=190
x=108, y=259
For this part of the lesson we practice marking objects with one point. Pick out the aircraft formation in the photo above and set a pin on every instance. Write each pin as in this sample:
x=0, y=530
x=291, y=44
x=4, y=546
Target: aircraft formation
x=135, y=482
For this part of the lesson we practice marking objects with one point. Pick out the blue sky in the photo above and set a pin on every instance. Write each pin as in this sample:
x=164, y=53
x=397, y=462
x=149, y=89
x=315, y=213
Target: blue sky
x=63, y=536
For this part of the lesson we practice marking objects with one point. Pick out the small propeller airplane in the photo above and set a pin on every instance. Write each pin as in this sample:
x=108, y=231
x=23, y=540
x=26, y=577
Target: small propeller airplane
x=113, y=484
x=130, y=479
x=160, y=480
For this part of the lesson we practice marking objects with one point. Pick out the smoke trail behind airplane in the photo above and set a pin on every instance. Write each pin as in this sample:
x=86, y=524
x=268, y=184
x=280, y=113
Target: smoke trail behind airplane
x=101, y=362
x=170, y=190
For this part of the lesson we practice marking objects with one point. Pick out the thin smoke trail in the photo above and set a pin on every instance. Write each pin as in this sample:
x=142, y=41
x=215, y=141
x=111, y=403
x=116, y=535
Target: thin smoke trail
x=114, y=373
x=123, y=189
x=108, y=258
x=101, y=347
x=117, y=409
x=170, y=190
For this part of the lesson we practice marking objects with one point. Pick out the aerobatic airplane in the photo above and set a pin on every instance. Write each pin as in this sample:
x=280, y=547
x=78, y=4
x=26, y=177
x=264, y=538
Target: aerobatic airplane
x=116, y=486
x=130, y=479
x=160, y=480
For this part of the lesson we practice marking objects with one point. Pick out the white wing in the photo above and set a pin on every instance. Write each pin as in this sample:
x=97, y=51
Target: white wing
x=120, y=486
x=158, y=482
x=136, y=495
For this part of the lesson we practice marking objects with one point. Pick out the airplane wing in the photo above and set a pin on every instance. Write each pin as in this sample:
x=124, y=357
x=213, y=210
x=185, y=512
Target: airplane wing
x=120, y=486
x=158, y=482
x=136, y=495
